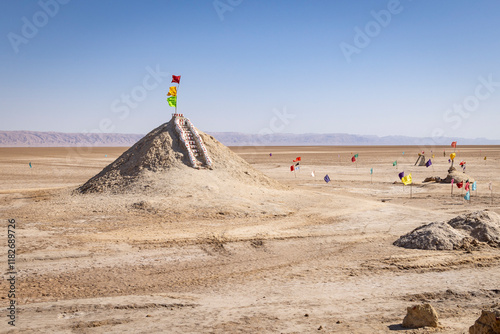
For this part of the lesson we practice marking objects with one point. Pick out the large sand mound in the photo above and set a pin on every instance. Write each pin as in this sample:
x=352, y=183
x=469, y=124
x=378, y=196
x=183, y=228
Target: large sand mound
x=159, y=164
x=458, y=233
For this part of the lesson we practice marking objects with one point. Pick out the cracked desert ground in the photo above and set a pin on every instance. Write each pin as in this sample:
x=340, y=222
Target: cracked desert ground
x=316, y=258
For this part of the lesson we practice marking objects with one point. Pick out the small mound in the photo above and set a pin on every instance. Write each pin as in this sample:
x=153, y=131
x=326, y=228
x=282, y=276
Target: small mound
x=160, y=163
x=456, y=176
x=461, y=232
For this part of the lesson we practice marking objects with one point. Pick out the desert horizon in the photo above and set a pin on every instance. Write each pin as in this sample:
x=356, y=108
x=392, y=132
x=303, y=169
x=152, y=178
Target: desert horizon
x=216, y=255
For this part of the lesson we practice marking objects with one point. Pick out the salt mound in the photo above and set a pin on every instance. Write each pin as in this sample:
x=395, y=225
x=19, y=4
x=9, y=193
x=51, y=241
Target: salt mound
x=159, y=163
x=458, y=233
x=457, y=176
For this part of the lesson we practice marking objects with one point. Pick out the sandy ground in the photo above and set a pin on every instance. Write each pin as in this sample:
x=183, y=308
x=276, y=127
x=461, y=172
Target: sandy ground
x=315, y=258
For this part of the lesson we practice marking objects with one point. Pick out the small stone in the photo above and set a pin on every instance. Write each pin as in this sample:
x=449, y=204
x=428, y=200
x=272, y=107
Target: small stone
x=320, y=328
x=338, y=322
x=421, y=316
x=488, y=322
x=306, y=315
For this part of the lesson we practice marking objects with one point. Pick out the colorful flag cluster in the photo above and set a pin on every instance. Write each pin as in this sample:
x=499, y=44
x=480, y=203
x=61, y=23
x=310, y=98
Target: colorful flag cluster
x=296, y=166
x=172, y=92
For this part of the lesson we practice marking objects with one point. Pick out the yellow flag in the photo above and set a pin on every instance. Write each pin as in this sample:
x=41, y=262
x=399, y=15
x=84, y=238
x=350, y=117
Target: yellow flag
x=452, y=156
x=172, y=91
x=484, y=158
x=406, y=179
x=433, y=156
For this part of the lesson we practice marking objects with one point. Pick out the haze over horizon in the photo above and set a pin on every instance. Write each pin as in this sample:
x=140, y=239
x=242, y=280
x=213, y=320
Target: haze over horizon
x=412, y=68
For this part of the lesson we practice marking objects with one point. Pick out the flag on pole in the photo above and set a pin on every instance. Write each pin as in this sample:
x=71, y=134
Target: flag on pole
x=298, y=163
x=395, y=163
x=356, y=155
x=371, y=170
x=298, y=159
x=297, y=167
x=484, y=158
x=452, y=156
x=172, y=101
x=172, y=91
x=30, y=164
x=467, y=187
x=292, y=168
x=467, y=196
x=428, y=163
x=407, y=179
x=312, y=174
x=460, y=184
x=326, y=178
x=270, y=154
x=176, y=79
x=353, y=159
x=474, y=186
x=401, y=175
x=454, y=144
x=452, y=181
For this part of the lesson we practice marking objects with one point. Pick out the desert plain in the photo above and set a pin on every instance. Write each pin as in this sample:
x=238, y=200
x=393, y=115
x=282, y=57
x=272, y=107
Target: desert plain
x=309, y=257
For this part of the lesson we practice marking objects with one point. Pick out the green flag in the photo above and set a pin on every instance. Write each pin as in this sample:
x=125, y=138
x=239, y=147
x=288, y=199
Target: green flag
x=172, y=101
x=356, y=155
x=395, y=163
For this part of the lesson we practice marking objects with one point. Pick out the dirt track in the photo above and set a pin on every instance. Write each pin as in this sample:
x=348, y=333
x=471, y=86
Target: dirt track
x=265, y=261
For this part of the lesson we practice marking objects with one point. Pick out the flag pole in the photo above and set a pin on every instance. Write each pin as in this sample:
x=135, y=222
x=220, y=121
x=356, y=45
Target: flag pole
x=176, y=97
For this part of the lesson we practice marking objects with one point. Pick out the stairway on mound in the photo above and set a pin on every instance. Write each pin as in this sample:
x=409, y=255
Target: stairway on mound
x=193, y=143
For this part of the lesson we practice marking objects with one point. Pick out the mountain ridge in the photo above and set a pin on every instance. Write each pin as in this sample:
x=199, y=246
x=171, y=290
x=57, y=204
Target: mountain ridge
x=61, y=139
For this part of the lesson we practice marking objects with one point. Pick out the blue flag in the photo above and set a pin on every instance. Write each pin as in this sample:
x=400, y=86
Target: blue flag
x=401, y=175
x=467, y=196
x=371, y=170
x=474, y=186
x=428, y=163
x=327, y=178
x=30, y=164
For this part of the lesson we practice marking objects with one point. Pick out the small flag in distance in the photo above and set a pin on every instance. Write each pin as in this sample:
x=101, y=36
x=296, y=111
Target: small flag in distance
x=176, y=79
x=454, y=144
x=401, y=175
x=407, y=179
x=326, y=178
x=292, y=168
x=172, y=91
x=467, y=196
x=172, y=101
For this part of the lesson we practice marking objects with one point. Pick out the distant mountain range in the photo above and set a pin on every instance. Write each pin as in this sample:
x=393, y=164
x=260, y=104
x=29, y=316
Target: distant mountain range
x=52, y=139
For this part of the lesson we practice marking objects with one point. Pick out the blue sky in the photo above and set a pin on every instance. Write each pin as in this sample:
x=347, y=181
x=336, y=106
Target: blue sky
x=417, y=68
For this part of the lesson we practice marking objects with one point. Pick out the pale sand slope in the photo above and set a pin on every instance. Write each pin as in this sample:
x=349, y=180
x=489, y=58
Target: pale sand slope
x=250, y=261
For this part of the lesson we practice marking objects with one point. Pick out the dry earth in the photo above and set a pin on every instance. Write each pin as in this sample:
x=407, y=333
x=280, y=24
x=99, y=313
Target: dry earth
x=226, y=258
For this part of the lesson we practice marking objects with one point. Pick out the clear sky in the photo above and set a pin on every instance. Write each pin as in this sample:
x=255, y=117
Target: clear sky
x=418, y=68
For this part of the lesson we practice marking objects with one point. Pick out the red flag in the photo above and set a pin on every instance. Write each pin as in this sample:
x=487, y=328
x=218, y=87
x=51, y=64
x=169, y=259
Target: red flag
x=454, y=144
x=176, y=79
x=353, y=159
x=461, y=184
x=467, y=186
x=292, y=168
x=298, y=159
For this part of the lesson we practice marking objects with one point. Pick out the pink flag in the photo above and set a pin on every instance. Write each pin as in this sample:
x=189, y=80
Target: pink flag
x=452, y=181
